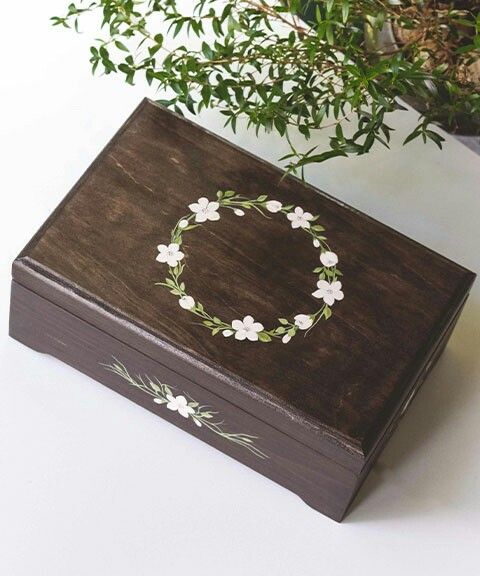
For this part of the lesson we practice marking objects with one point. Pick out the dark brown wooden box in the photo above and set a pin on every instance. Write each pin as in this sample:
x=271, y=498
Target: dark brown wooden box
x=312, y=413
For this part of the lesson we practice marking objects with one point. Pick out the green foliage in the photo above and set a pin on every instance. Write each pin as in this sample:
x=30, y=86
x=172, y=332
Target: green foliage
x=255, y=59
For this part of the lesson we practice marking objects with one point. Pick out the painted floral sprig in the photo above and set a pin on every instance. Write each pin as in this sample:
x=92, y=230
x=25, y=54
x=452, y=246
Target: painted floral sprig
x=329, y=287
x=184, y=405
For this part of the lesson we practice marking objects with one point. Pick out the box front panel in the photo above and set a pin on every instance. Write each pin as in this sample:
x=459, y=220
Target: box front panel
x=322, y=483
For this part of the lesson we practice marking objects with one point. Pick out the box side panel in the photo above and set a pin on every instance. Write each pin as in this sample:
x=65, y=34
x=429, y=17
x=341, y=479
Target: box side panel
x=416, y=372
x=419, y=376
x=417, y=384
x=47, y=328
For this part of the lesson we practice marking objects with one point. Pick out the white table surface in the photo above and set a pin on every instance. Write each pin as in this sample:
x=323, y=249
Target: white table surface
x=91, y=484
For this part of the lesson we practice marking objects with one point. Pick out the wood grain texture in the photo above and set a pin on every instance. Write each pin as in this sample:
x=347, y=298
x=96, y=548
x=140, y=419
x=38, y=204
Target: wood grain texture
x=338, y=389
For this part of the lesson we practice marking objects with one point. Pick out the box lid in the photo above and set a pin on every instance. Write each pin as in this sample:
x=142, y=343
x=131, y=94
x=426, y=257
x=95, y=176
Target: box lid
x=335, y=385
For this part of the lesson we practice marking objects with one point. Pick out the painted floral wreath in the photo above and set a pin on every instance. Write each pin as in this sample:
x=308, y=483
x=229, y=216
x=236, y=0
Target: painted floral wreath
x=329, y=287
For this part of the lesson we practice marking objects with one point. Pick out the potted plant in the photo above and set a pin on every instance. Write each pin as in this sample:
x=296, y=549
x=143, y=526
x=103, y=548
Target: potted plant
x=260, y=61
x=444, y=36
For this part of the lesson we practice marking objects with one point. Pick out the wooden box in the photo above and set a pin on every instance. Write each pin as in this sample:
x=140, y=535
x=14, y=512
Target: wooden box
x=277, y=324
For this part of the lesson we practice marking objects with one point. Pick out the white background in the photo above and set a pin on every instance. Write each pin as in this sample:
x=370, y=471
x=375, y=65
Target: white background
x=91, y=484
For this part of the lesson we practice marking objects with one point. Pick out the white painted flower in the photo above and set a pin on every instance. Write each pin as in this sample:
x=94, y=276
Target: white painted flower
x=286, y=339
x=303, y=321
x=186, y=302
x=328, y=292
x=227, y=333
x=316, y=243
x=247, y=328
x=299, y=218
x=328, y=259
x=205, y=210
x=183, y=223
x=170, y=254
x=273, y=206
x=239, y=212
x=179, y=404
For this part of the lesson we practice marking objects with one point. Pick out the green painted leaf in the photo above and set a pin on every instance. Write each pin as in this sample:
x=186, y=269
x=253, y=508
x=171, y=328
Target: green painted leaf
x=121, y=46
